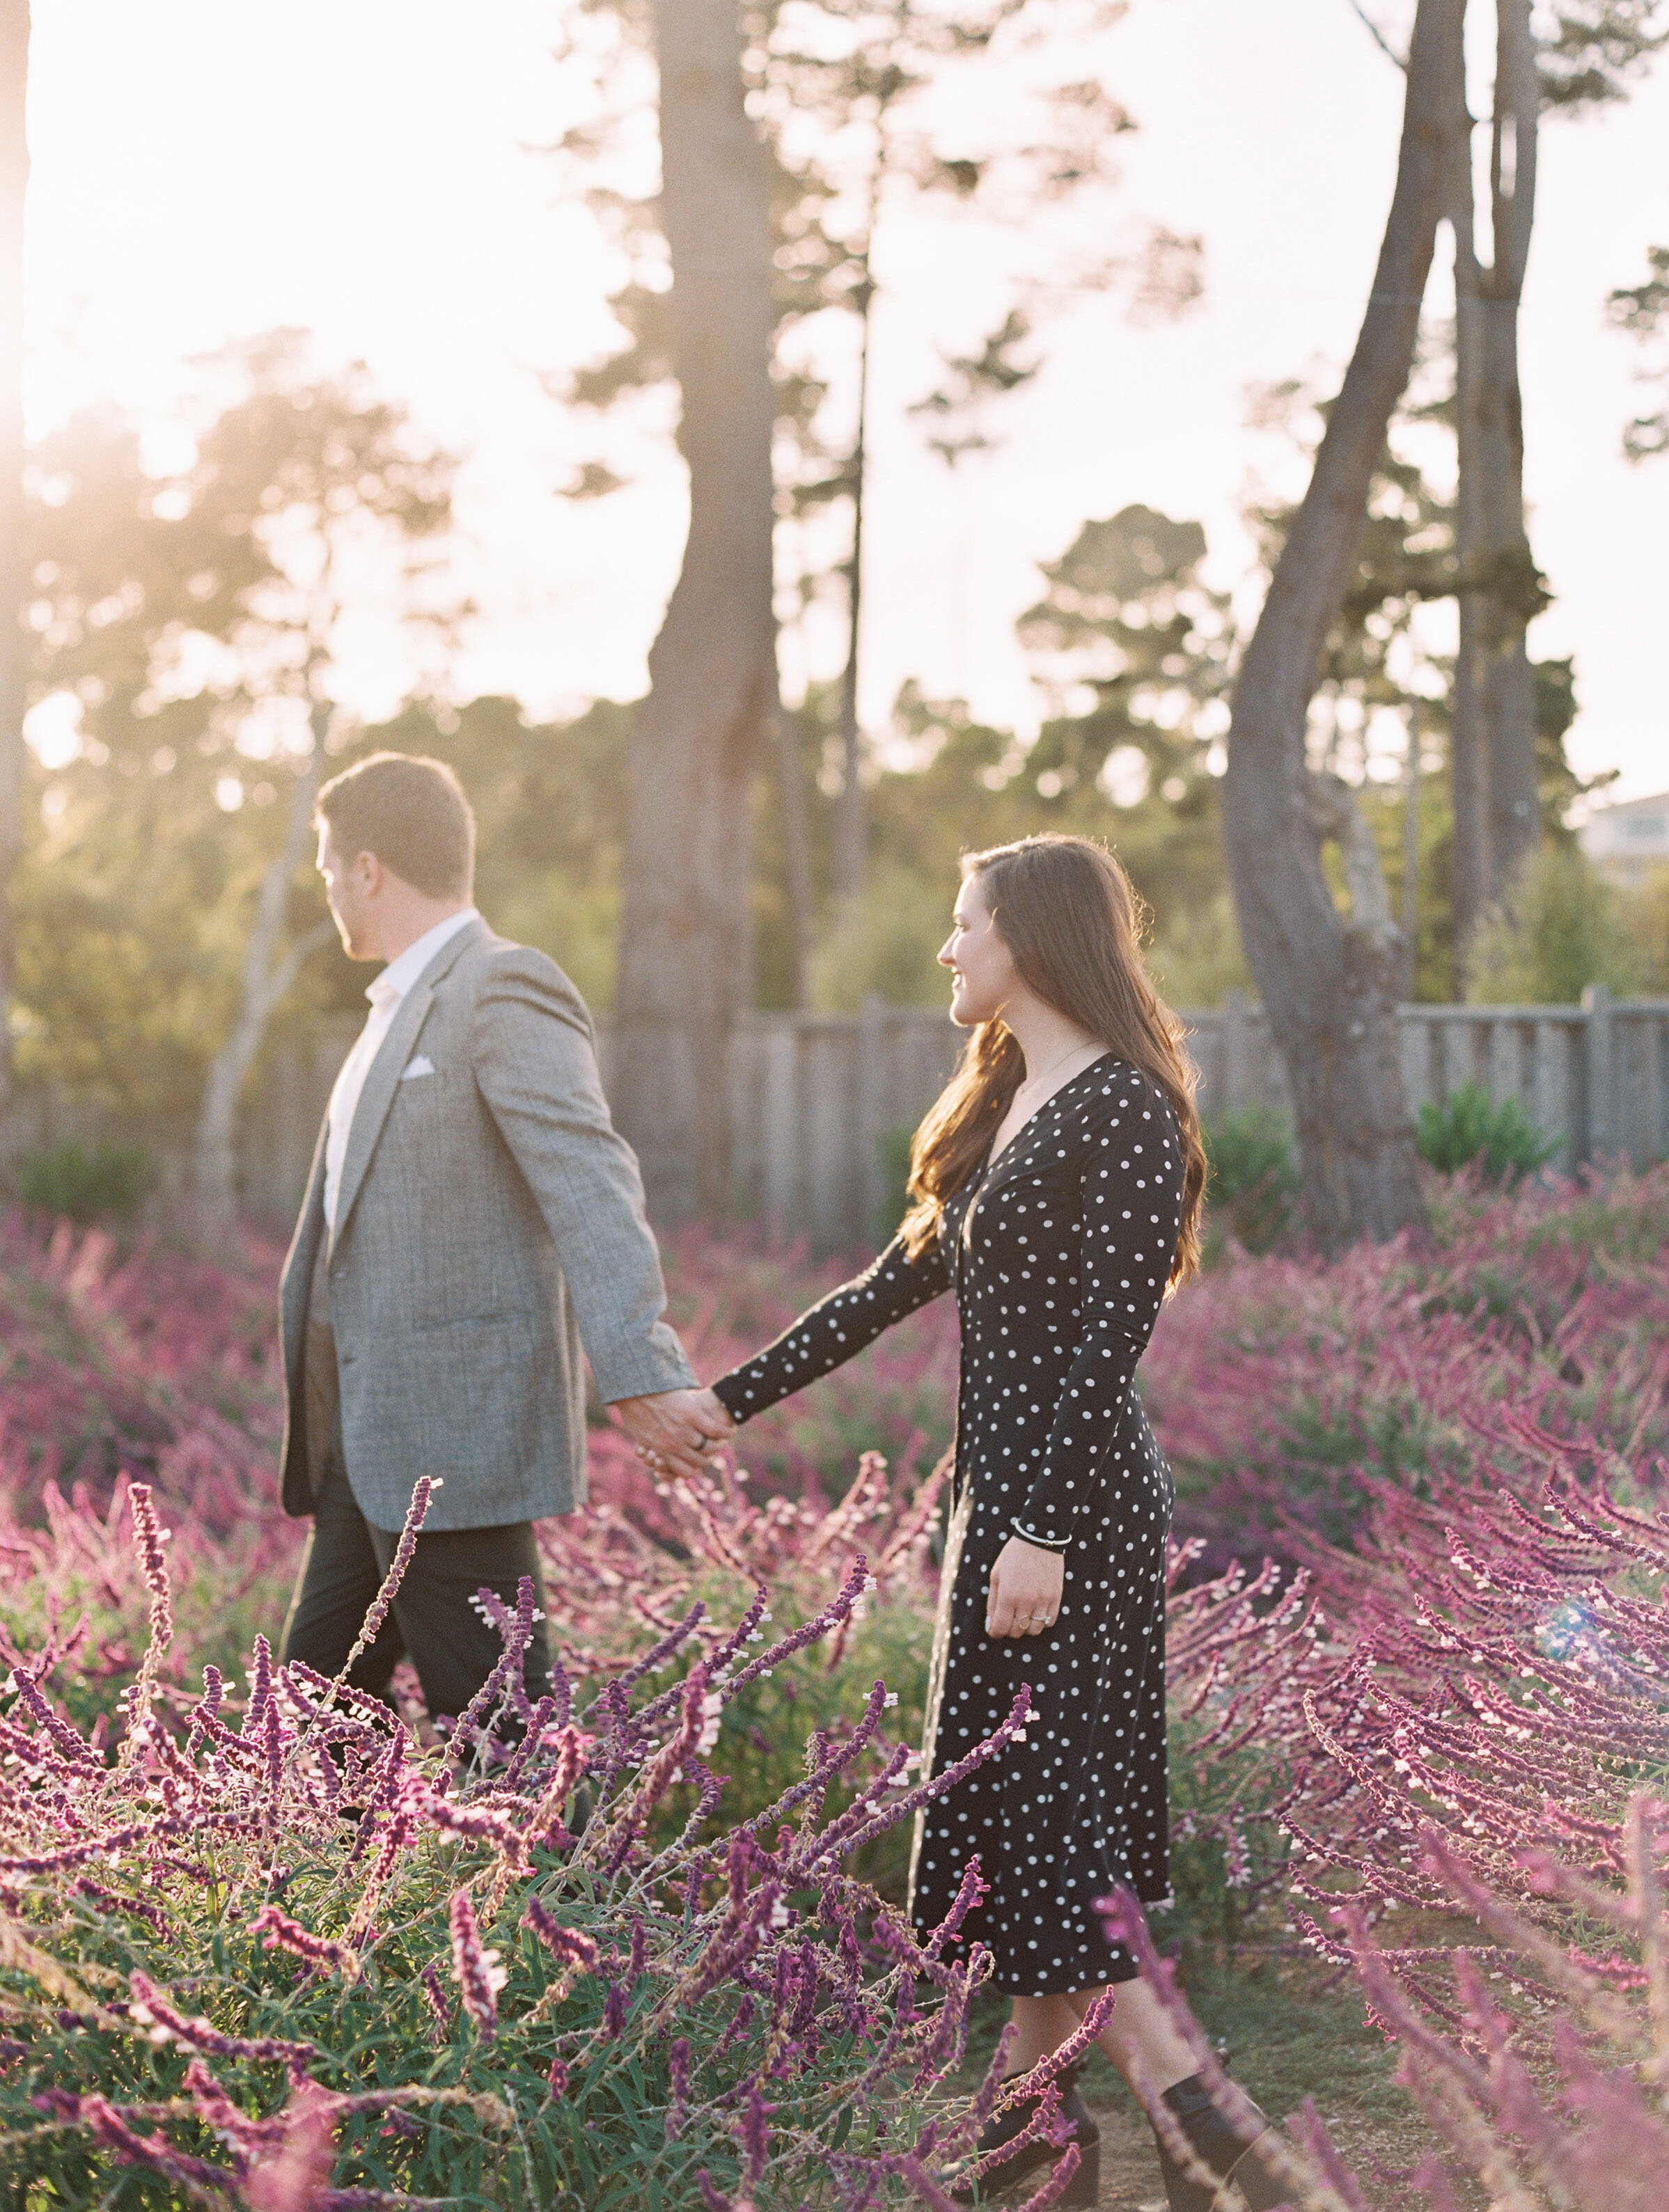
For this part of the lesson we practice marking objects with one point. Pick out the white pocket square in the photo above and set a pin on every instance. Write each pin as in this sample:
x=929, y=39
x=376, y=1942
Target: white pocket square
x=422, y=1066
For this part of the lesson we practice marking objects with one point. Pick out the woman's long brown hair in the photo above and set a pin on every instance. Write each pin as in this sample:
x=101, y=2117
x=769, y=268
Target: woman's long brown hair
x=1066, y=911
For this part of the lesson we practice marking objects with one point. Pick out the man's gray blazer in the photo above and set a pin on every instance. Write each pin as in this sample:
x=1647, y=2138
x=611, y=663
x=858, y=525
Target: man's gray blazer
x=490, y=1220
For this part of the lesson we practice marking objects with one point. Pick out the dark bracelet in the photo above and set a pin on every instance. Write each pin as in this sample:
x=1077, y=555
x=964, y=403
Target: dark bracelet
x=1043, y=1543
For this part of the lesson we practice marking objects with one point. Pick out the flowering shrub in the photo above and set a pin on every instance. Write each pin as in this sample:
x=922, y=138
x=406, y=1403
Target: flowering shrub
x=1431, y=1738
x=295, y=1962
x=1479, y=1826
x=148, y=1363
x=730, y=1296
x=717, y=1543
x=1279, y=1388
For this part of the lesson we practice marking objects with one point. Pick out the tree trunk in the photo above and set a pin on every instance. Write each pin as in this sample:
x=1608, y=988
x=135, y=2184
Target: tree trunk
x=1329, y=982
x=798, y=886
x=14, y=649
x=850, y=826
x=1509, y=691
x=1471, y=869
x=712, y=689
x=1496, y=806
x=268, y=976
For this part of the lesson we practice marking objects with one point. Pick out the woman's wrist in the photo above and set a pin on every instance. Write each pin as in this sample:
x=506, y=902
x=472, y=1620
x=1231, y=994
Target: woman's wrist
x=1055, y=1544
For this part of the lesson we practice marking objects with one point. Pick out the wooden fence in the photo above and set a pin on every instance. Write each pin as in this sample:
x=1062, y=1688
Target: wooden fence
x=824, y=1102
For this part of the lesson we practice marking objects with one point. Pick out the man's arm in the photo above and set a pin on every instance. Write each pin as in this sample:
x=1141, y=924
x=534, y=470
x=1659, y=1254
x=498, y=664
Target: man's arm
x=534, y=1065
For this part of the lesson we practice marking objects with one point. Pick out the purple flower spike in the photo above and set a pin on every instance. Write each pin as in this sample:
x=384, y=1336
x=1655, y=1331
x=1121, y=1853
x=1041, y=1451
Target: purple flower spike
x=440, y=2003
x=478, y=1974
x=678, y=2070
x=278, y=1932
x=518, y=1633
x=571, y=1945
x=149, y=1538
x=376, y=1613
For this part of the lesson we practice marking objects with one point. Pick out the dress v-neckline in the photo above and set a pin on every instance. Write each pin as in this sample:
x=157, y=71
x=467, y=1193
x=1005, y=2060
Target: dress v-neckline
x=992, y=1159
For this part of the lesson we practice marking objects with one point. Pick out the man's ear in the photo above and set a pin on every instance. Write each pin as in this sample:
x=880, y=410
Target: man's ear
x=368, y=872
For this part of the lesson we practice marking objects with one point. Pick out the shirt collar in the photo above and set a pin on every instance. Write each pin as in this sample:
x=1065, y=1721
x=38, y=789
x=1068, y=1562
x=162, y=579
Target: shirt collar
x=403, y=972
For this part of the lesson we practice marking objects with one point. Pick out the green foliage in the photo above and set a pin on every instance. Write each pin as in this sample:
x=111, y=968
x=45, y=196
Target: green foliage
x=499, y=2013
x=1643, y=309
x=882, y=943
x=1125, y=613
x=1254, y=1182
x=87, y=1182
x=1467, y=1130
x=1124, y=618
x=1562, y=927
x=894, y=1147
x=1644, y=906
x=1195, y=954
x=186, y=621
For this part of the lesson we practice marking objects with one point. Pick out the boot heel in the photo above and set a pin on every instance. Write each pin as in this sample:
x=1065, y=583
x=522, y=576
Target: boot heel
x=1082, y=2192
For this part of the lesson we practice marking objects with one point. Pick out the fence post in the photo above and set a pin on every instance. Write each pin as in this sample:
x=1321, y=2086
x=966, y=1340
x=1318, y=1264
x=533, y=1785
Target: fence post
x=1601, y=1073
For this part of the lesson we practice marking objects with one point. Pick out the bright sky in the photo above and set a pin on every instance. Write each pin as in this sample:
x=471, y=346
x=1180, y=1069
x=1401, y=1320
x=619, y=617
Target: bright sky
x=362, y=167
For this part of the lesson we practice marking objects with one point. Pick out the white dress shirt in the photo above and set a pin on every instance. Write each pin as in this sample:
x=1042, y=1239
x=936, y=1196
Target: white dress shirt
x=384, y=994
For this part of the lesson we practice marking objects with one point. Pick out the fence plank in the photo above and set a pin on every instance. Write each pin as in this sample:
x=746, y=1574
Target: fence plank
x=1601, y=1071
x=815, y=1095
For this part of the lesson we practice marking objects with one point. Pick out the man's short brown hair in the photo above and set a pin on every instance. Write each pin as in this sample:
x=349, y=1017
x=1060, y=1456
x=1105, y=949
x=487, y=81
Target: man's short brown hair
x=410, y=812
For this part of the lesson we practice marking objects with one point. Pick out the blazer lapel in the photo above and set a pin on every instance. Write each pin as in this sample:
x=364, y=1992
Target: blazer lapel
x=383, y=1076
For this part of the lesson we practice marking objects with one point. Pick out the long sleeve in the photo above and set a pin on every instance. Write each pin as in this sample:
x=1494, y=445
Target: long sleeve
x=535, y=1068
x=835, y=1329
x=1131, y=1208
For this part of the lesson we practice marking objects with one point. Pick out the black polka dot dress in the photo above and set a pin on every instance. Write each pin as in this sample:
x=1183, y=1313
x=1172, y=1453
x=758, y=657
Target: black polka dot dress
x=1058, y=1252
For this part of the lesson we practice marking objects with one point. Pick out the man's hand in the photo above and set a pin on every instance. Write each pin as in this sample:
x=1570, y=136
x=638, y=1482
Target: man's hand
x=1024, y=1598
x=675, y=1431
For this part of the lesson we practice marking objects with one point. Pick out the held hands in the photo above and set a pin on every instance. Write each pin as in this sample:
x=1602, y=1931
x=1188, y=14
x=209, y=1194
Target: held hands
x=1024, y=1598
x=675, y=1431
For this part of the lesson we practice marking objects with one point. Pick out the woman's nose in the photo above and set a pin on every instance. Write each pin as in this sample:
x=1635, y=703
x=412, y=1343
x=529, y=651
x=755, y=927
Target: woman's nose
x=944, y=954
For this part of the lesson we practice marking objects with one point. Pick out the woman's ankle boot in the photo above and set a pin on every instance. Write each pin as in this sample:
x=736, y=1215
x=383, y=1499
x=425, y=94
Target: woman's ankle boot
x=1083, y=2189
x=1216, y=2146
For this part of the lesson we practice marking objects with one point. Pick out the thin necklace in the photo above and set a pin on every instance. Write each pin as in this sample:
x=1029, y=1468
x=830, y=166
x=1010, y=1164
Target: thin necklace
x=1052, y=1066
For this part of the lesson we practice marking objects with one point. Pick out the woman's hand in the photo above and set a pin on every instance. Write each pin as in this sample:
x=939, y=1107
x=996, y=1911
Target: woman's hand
x=675, y=1431
x=1024, y=1598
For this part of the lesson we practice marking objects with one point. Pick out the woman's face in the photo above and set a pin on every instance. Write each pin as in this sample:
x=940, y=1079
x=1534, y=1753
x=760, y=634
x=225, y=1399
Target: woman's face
x=982, y=970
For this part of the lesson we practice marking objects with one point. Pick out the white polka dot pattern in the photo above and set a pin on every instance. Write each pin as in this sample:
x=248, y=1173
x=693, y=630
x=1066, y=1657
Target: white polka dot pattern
x=1058, y=1255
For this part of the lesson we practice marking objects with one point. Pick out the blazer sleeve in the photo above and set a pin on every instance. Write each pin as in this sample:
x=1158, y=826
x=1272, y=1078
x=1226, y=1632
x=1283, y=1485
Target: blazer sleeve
x=835, y=1329
x=534, y=1063
x=1131, y=1182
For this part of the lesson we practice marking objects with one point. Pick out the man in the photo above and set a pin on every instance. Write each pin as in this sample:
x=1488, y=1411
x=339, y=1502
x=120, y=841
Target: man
x=471, y=1219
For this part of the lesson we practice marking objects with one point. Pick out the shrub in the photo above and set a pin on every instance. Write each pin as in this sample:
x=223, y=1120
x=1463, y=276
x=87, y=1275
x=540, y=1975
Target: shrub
x=1280, y=1389
x=151, y=1363
x=714, y=1545
x=730, y=1295
x=1561, y=927
x=87, y=1182
x=881, y=944
x=1478, y=1822
x=296, y=1960
x=1252, y=1186
x=893, y=1150
x=1468, y=1130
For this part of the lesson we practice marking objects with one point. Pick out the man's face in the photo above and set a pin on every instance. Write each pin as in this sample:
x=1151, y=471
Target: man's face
x=344, y=894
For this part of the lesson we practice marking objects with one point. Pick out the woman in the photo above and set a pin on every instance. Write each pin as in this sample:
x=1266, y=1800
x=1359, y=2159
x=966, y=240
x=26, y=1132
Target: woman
x=1056, y=1188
